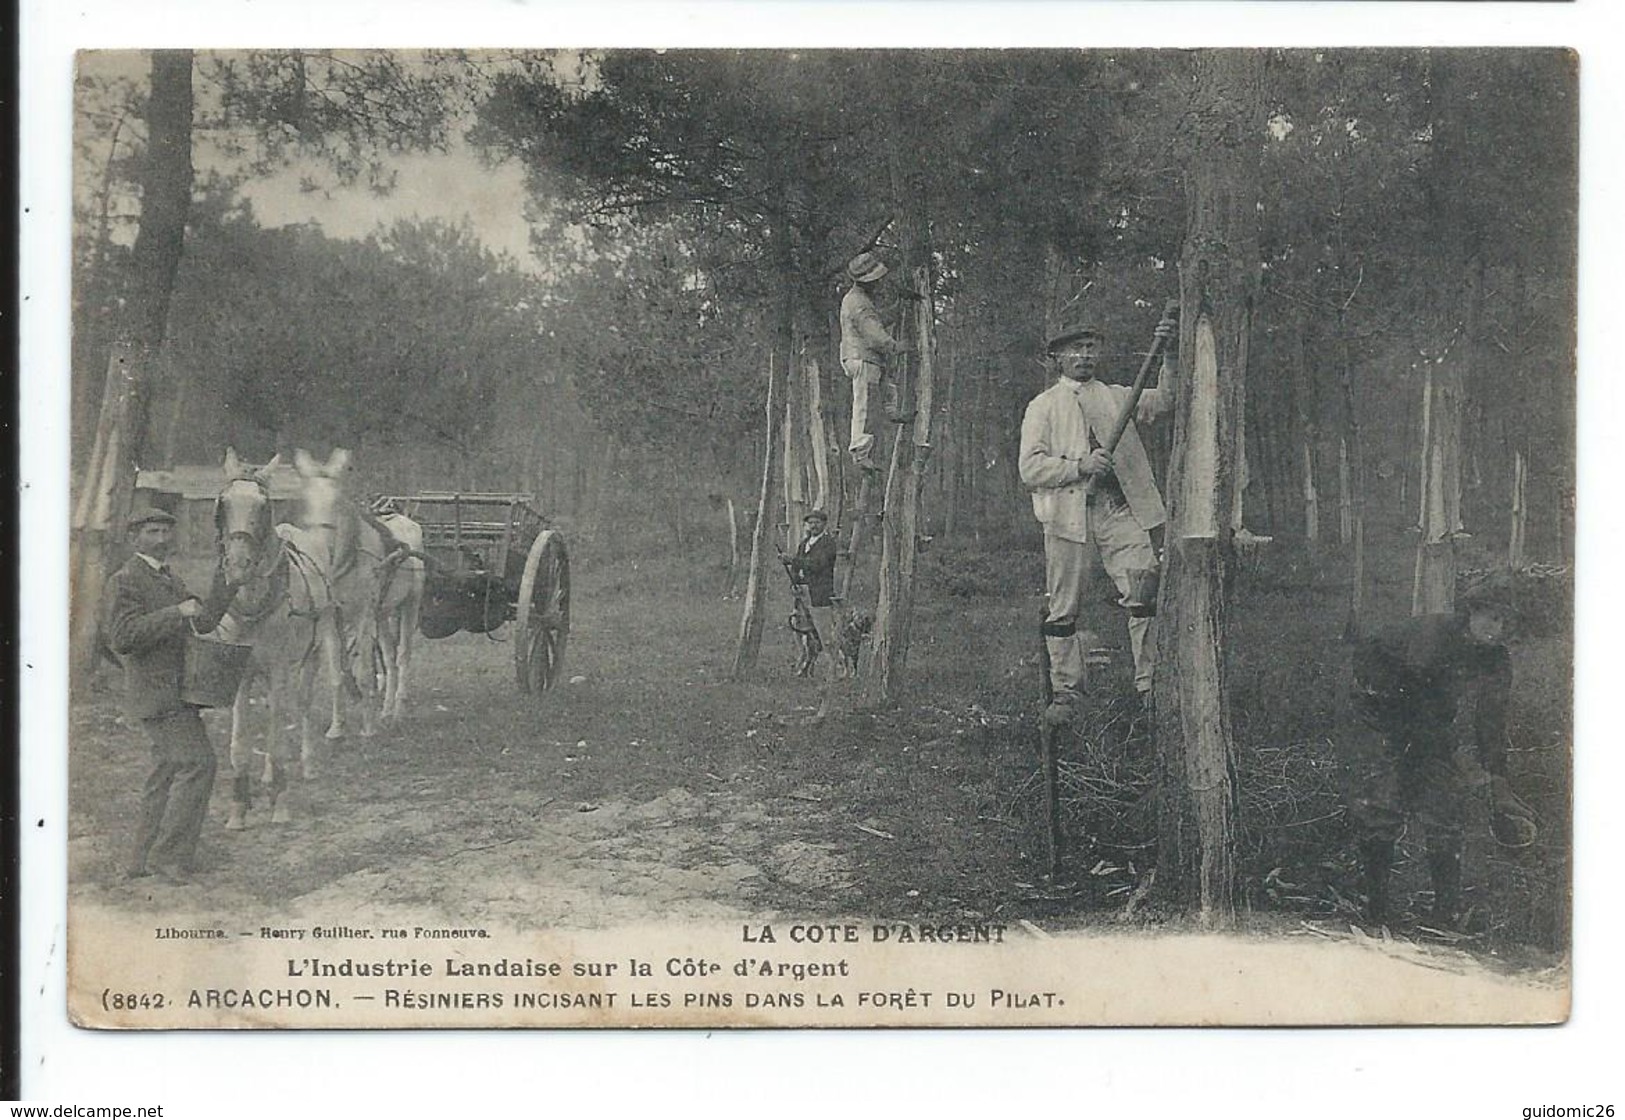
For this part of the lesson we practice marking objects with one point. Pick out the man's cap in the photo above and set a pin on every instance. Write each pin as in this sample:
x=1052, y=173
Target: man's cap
x=866, y=267
x=1087, y=329
x=148, y=515
x=817, y=515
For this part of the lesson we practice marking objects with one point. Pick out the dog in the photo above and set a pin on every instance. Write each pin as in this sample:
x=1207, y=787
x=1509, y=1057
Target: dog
x=850, y=636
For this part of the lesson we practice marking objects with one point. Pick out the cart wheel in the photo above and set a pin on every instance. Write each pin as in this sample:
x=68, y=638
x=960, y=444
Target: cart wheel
x=542, y=621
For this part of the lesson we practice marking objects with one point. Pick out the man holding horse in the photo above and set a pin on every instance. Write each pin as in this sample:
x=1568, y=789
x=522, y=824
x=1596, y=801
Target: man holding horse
x=148, y=614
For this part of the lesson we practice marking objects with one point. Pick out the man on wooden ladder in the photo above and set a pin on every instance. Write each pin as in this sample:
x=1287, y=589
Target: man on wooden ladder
x=867, y=351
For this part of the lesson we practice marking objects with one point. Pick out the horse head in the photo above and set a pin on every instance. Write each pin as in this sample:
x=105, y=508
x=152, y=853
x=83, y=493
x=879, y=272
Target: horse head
x=324, y=506
x=243, y=527
x=321, y=504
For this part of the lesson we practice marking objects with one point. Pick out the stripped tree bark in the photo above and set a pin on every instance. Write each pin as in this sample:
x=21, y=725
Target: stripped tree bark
x=1355, y=447
x=1518, y=438
x=1516, y=558
x=794, y=437
x=951, y=437
x=1433, y=587
x=1219, y=275
x=1308, y=409
x=749, y=645
x=1433, y=590
x=781, y=353
x=1311, y=498
x=817, y=434
x=732, y=512
x=1238, y=492
x=1345, y=496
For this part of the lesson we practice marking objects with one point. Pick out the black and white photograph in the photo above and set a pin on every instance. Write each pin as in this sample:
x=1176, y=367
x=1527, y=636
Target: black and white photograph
x=716, y=537
x=730, y=537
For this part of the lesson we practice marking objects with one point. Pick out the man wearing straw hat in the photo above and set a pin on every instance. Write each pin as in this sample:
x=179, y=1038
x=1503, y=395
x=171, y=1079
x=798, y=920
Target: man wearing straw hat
x=148, y=614
x=866, y=349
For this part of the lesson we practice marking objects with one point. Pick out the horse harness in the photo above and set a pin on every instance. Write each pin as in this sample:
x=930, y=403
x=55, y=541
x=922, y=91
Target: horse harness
x=274, y=571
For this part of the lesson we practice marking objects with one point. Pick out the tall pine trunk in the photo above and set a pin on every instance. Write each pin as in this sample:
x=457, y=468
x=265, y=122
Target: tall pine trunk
x=886, y=660
x=794, y=439
x=1311, y=497
x=1345, y=495
x=951, y=437
x=817, y=432
x=749, y=645
x=1444, y=404
x=1308, y=409
x=1197, y=825
x=134, y=363
x=1353, y=447
x=781, y=354
x=1516, y=547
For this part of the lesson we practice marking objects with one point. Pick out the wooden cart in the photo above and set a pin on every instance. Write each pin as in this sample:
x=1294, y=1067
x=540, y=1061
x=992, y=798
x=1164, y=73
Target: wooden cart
x=493, y=559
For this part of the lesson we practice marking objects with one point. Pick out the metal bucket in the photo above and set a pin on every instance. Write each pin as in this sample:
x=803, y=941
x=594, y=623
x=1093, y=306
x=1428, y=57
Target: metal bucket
x=213, y=671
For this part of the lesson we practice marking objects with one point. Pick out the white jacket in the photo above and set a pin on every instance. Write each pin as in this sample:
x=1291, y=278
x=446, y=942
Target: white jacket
x=1055, y=440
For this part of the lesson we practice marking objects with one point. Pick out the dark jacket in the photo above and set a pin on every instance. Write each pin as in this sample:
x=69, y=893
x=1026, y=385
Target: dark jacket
x=144, y=626
x=1410, y=678
x=815, y=567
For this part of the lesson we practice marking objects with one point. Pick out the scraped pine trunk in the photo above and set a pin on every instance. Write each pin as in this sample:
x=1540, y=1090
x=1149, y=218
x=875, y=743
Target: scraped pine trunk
x=794, y=441
x=1345, y=496
x=1520, y=512
x=749, y=645
x=1439, y=517
x=951, y=437
x=817, y=433
x=733, y=550
x=1311, y=497
x=1197, y=828
x=1433, y=588
x=1308, y=408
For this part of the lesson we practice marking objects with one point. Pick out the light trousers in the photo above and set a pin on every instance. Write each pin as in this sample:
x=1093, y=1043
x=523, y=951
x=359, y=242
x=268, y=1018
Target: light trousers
x=865, y=376
x=1126, y=555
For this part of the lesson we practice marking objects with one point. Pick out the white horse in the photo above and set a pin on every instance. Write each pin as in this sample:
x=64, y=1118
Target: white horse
x=286, y=611
x=399, y=605
x=374, y=565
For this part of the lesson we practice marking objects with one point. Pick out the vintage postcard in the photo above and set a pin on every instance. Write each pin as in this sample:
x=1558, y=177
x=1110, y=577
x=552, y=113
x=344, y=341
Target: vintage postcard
x=916, y=538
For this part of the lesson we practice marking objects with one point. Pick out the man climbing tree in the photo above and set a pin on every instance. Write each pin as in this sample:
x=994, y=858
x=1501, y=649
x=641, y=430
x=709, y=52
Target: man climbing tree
x=867, y=349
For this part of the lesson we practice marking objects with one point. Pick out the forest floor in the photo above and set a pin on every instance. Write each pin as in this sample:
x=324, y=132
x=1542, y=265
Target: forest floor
x=650, y=787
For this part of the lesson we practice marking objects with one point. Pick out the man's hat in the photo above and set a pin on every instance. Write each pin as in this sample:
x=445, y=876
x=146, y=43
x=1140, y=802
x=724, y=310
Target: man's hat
x=150, y=514
x=1087, y=329
x=817, y=515
x=866, y=267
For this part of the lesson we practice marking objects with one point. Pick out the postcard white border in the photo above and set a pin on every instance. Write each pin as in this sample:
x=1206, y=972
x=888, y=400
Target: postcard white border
x=1161, y=1073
